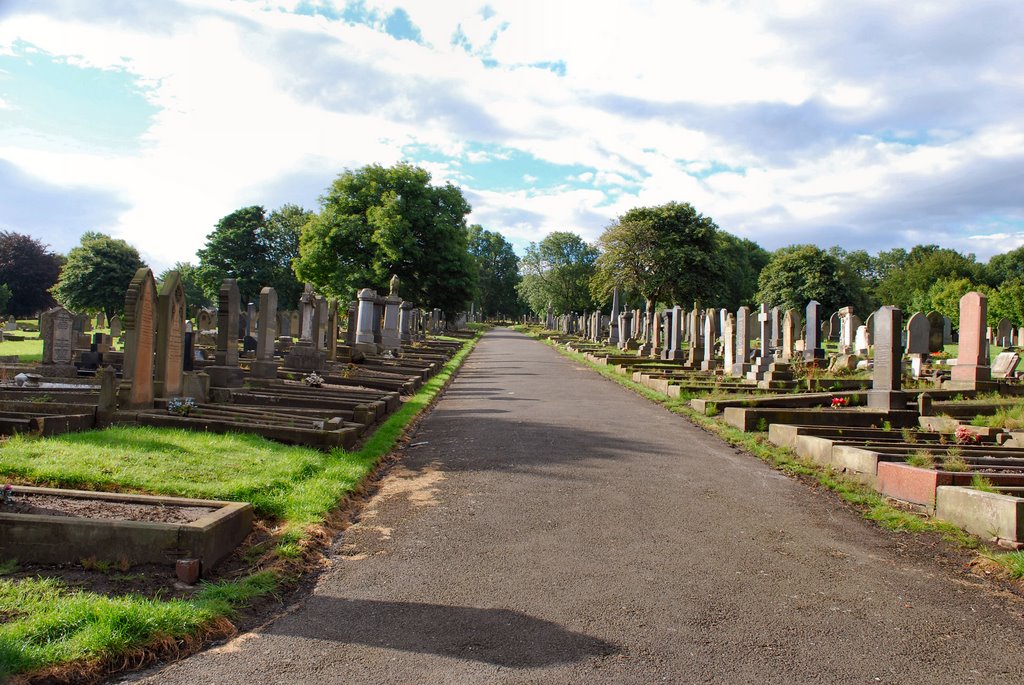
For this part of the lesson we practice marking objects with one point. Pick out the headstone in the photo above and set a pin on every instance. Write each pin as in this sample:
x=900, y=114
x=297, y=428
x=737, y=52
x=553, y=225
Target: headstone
x=972, y=361
x=405, y=316
x=935, y=332
x=709, y=363
x=204, y=320
x=264, y=366
x=101, y=320
x=918, y=334
x=57, y=332
x=391, y=336
x=812, y=332
x=742, y=348
x=307, y=304
x=116, y=328
x=947, y=331
x=136, y=391
x=674, y=344
x=364, y=322
x=170, y=337
x=1004, y=333
x=860, y=345
x=225, y=372
x=790, y=329
x=776, y=333
x=835, y=325
x=1005, y=364
x=284, y=323
x=728, y=341
x=11, y=325
x=887, y=377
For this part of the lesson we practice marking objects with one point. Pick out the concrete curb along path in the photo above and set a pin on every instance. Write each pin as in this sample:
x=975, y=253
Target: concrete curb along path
x=546, y=525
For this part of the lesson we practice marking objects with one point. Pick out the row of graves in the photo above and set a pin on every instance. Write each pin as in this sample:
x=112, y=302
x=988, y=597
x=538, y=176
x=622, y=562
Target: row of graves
x=236, y=373
x=876, y=399
x=231, y=370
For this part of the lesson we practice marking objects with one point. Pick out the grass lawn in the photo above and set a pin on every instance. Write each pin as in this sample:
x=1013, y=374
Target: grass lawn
x=30, y=350
x=44, y=625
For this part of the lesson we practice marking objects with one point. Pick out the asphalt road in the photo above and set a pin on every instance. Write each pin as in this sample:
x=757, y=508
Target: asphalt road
x=546, y=525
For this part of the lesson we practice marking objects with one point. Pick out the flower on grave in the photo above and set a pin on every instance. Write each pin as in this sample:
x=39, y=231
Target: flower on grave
x=965, y=436
x=9, y=495
x=181, y=406
x=313, y=380
x=840, y=402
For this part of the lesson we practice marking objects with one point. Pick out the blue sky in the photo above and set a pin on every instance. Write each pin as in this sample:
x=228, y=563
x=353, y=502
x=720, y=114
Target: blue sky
x=852, y=124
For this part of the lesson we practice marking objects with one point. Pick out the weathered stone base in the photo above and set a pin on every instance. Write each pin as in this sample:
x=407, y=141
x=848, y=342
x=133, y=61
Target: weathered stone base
x=225, y=376
x=303, y=357
x=263, y=369
x=970, y=373
x=887, y=400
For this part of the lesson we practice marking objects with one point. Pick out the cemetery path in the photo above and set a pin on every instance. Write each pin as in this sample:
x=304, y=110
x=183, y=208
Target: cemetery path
x=547, y=525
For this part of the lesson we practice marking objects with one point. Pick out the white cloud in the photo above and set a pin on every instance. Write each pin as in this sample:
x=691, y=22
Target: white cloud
x=776, y=120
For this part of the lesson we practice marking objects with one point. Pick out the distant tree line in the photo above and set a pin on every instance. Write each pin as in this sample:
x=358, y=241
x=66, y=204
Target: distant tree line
x=376, y=222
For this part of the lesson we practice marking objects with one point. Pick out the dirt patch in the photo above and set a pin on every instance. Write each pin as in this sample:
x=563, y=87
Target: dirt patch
x=55, y=505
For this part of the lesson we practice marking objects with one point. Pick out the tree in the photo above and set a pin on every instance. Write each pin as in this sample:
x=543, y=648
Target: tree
x=195, y=296
x=5, y=296
x=797, y=274
x=29, y=270
x=558, y=271
x=913, y=276
x=497, y=269
x=1007, y=301
x=663, y=253
x=1004, y=267
x=944, y=296
x=256, y=250
x=738, y=264
x=97, y=274
x=376, y=222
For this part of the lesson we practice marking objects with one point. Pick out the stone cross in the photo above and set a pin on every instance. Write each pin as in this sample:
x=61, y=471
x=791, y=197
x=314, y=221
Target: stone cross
x=764, y=329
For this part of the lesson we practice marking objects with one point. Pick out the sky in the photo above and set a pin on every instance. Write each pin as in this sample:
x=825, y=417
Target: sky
x=868, y=125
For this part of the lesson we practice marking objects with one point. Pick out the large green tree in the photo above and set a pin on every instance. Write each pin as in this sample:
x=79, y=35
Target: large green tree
x=664, y=253
x=497, y=269
x=256, y=250
x=907, y=276
x=29, y=269
x=97, y=274
x=1004, y=267
x=378, y=221
x=797, y=274
x=558, y=271
x=738, y=264
x=195, y=296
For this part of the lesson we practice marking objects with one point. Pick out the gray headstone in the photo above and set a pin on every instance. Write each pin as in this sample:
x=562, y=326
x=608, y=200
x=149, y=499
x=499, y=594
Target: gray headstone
x=918, y=333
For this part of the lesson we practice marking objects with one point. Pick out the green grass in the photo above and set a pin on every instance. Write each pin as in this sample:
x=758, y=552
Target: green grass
x=27, y=350
x=297, y=487
x=50, y=623
x=1007, y=418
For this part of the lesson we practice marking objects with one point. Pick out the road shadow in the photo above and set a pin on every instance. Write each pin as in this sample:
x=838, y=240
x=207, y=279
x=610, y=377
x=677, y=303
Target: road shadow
x=495, y=636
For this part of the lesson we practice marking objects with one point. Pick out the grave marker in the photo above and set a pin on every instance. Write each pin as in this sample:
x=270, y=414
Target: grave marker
x=136, y=390
x=170, y=337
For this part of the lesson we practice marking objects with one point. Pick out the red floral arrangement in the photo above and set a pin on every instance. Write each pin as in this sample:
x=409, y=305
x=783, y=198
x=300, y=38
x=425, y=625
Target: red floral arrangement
x=840, y=402
x=965, y=436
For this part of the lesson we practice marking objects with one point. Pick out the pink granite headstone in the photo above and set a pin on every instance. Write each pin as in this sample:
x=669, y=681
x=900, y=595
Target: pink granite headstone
x=972, y=363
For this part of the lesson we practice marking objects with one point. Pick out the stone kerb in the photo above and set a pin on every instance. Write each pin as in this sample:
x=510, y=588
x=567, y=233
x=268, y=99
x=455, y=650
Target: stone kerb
x=136, y=390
